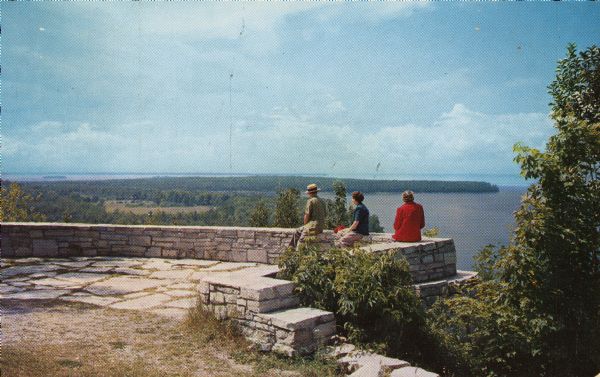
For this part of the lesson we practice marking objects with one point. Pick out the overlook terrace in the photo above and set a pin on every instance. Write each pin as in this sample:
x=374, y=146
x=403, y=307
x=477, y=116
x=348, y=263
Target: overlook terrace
x=265, y=307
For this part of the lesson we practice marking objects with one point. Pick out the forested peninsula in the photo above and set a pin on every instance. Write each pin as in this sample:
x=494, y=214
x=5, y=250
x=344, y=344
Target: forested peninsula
x=144, y=187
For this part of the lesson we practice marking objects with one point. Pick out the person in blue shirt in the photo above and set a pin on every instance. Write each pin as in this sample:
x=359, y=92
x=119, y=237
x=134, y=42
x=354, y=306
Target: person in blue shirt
x=360, y=223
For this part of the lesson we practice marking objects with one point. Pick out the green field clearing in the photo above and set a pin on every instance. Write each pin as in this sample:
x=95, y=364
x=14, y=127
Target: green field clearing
x=142, y=207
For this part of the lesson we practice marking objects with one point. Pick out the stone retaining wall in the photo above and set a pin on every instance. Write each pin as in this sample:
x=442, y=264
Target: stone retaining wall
x=429, y=260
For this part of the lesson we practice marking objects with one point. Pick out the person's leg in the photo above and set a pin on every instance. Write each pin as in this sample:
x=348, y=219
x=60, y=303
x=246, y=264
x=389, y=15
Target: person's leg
x=348, y=239
x=304, y=232
x=296, y=237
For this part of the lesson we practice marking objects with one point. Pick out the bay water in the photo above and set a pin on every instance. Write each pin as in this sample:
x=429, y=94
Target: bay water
x=473, y=220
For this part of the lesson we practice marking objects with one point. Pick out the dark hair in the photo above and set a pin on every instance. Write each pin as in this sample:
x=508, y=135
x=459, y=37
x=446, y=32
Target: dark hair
x=358, y=196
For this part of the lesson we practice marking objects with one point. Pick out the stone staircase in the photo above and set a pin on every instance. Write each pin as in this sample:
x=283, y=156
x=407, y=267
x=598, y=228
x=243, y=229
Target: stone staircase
x=267, y=311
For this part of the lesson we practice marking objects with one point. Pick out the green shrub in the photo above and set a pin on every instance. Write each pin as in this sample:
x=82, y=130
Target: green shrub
x=371, y=295
x=480, y=335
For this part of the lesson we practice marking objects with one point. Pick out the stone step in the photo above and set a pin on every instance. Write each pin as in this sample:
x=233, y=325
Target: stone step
x=299, y=330
x=258, y=294
x=299, y=318
x=412, y=372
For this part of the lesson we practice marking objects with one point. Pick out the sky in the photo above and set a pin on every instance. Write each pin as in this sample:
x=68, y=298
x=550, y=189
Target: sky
x=344, y=89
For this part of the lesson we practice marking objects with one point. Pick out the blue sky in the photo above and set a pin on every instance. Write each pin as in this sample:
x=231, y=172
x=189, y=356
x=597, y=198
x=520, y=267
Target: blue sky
x=323, y=88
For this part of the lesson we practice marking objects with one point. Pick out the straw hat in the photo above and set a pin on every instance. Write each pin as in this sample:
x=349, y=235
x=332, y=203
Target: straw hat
x=312, y=188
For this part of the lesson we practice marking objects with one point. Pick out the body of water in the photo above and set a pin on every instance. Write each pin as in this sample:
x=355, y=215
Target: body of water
x=472, y=220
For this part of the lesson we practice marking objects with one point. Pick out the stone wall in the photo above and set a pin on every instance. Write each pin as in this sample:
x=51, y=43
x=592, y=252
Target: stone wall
x=429, y=260
x=261, y=245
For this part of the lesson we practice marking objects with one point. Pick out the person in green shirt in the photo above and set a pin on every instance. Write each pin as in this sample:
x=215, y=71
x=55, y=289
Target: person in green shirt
x=314, y=216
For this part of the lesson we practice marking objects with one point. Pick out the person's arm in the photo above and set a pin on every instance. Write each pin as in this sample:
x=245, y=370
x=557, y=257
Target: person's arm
x=354, y=225
x=307, y=212
x=398, y=219
x=422, y=217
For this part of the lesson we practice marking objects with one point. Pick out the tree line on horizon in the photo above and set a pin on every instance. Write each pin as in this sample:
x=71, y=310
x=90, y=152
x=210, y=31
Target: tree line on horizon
x=39, y=203
x=154, y=188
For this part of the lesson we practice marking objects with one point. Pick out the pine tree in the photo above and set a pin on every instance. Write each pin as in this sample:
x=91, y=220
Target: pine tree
x=287, y=213
x=259, y=217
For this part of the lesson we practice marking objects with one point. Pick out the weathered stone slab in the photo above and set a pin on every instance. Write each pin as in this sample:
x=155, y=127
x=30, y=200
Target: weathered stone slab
x=194, y=262
x=266, y=289
x=297, y=318
x=97, y=270
x=183, y=286
x=28, y=270
x=341, y=350
x=360, y=359
x=266, y=306
x=123, y=285
x=412, y=372
x=172, y=274
x=371, y=369
x=74, y=264
x=180, y=293
x=117, y=262
x=184, y=303
x=80, y=277
x=131, y=271
x=145, y=302
x=91, y=299
x=129, y=296
x=44, y=294
x=230, y=266
x=157, y=264
x=52, y=282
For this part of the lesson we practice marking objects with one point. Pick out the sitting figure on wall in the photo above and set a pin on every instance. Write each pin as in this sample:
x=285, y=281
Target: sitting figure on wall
x=410, y=219
x=360, y=223
x=314, y=216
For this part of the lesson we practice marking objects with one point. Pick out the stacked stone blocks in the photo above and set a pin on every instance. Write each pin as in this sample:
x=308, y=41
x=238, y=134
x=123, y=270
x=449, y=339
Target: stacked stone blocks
x=267, y=312
x=430, y=259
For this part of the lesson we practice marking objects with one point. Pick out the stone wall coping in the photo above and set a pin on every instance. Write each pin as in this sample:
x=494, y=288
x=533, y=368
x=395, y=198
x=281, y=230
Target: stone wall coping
x=146, y=226
x=460, y=277
x=254, y=287
x=402, y=245
x=298, y=318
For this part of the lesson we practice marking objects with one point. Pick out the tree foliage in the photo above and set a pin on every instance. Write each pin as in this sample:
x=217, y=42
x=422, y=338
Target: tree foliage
x=287, y=212
x=260, y=215
x=16, y=205
x=539, y=311
x=339, y=210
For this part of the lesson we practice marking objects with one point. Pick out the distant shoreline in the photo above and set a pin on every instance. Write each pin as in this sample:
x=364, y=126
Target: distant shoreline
x=502, y=180
x=259, y=184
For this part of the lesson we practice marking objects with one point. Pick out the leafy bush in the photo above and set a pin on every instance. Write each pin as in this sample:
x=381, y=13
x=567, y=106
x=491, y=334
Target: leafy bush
x=371, y=295
x=481, y=335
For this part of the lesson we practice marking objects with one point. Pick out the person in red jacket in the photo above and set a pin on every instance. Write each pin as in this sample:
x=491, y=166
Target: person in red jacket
x=410, y=219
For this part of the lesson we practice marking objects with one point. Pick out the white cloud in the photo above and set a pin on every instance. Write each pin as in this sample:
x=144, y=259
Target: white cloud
x=460, y=141
x=372, y=12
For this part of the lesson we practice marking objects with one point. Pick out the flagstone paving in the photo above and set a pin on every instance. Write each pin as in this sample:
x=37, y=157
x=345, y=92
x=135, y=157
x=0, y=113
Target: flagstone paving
x=164, y=286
